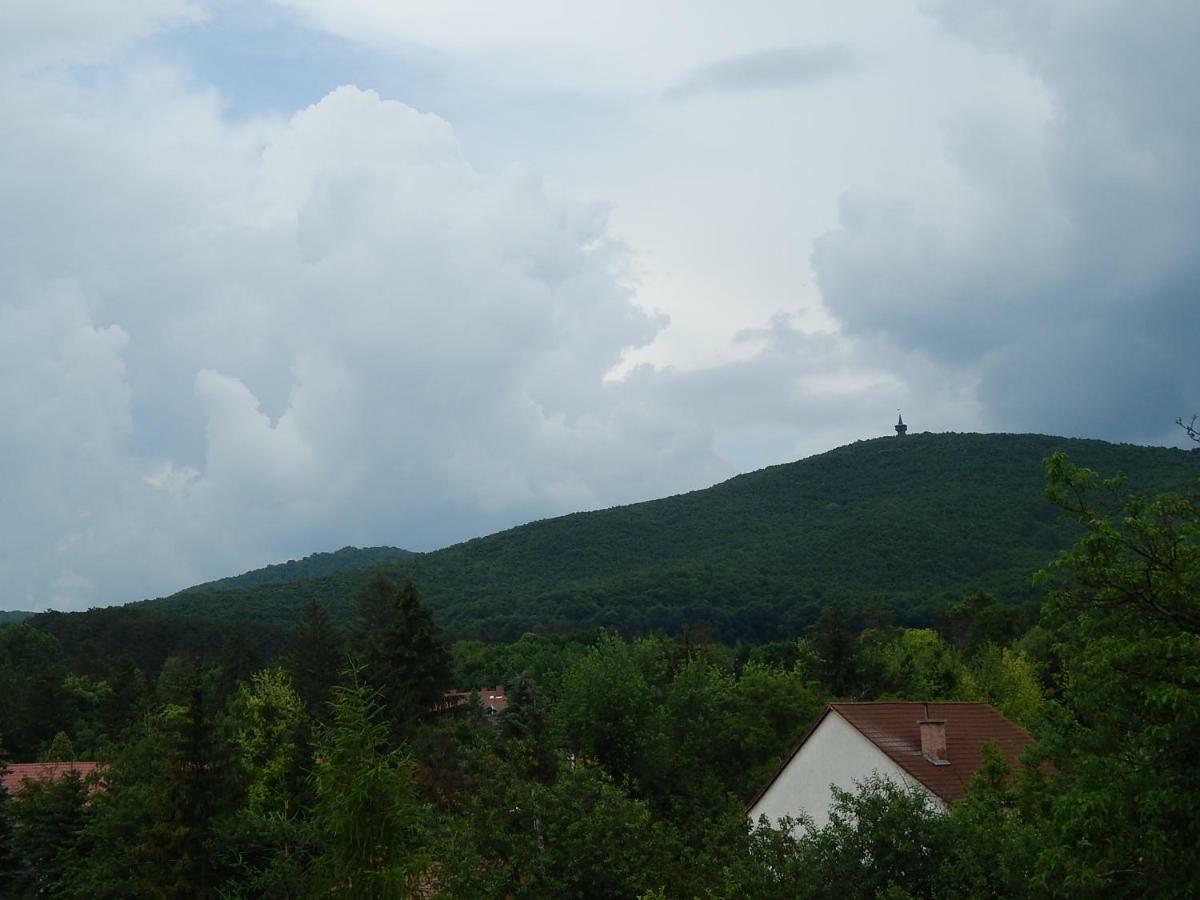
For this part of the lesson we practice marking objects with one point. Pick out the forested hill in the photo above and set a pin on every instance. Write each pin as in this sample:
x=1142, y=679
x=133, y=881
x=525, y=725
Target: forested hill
x=314, y=565
x=911, y=521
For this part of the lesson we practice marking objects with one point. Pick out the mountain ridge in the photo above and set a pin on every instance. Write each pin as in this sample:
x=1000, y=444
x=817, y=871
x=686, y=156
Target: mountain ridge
x=911, y=521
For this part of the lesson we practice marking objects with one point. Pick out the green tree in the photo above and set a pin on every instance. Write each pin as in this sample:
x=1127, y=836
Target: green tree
x=605, y=704
x=526, y=721
x=264, y=842
x=910, y=664
x=60, y=750
x=993, y=838
x=315, y=658
x=580, y=836
x=882, y=840
x=1124, y=604
x=196, y=785
x=1006, y=678
x=400, y=651
x=49, y=816
x=32, y=705
x=835, y=648
x=368, y=824
x=112, y=858
x=771, y=707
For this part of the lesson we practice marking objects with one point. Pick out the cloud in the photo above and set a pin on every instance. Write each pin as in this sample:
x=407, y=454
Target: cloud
x=226, y=344
x=776, y=68
x=1062, y=271
x=39, y=32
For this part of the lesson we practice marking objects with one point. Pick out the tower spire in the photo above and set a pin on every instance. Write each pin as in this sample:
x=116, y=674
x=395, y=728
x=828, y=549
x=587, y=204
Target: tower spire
x=901, y=428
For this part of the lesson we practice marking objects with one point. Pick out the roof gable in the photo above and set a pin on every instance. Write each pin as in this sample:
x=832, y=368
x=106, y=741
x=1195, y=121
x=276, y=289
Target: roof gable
x=892, y=727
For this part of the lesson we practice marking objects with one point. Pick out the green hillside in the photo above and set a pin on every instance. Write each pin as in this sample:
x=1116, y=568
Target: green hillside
x=314, y=565
x=910, y=521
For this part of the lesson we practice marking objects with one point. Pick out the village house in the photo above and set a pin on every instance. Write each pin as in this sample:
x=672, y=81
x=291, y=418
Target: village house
x=930, y=747
x=493, y=700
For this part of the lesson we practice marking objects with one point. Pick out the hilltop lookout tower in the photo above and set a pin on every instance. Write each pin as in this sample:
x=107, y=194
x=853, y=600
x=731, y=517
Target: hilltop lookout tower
x=901, y=428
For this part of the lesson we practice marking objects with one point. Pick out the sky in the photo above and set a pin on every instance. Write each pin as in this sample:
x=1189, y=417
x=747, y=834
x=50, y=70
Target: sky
x=280, y=277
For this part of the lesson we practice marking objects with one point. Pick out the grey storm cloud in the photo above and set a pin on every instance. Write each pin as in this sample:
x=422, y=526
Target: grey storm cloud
x=1068, y=283
x=772, y=68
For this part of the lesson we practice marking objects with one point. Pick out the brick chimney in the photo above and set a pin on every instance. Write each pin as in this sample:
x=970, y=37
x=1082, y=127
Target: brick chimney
x=933, y=739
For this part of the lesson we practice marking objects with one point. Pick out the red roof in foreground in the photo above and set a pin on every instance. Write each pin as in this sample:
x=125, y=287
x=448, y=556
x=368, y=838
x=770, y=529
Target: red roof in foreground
x=17, y=773
x=892, y=727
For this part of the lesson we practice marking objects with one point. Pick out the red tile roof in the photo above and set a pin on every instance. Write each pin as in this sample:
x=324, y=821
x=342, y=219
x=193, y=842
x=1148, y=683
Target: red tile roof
x=18, y=773
x=892, y=727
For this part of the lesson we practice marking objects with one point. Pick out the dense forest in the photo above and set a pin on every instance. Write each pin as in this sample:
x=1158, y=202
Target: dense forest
x=910, y=524
x=316, y=758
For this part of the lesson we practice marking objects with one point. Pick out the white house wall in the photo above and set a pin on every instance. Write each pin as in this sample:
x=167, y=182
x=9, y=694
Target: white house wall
x=835, y=753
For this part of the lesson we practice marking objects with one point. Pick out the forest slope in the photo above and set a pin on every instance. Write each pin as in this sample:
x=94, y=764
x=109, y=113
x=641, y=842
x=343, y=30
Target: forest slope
x=911, y=521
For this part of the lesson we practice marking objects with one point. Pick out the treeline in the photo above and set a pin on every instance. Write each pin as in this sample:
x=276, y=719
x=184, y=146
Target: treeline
x=314, y=565
x=621, y=767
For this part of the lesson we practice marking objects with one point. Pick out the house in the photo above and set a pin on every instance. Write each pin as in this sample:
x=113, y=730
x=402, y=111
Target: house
x=493, y=700
x=932, y=747
x=15, y=776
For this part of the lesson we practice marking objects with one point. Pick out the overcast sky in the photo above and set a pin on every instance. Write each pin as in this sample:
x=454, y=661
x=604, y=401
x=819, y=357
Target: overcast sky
x=281, y=277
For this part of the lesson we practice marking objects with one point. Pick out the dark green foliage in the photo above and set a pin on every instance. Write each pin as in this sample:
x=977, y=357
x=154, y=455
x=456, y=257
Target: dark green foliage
x=195, y=785
x=1125, y=606
x=48, y=817
x=605, y=710
x=835, y=650
x=993, y=839
x=914, y=523
x=980, y=619
x=400, y=651
x=526, y=721
x=881, y=840
x=541, y=657
x=8, y=857
x=33, y=704
x=580, y=836
x=315, y=657
x=142, y=636
x=265, y=845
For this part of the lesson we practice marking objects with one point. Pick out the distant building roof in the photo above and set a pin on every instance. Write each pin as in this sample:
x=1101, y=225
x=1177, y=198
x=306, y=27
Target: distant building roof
x=493, y=700
x=17, y=774
x=893, y=727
